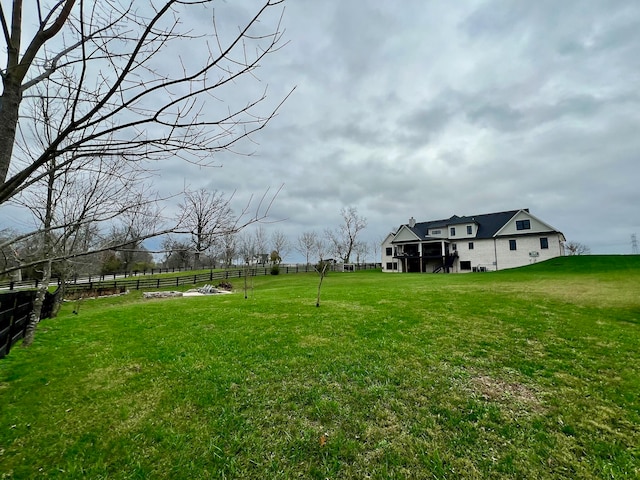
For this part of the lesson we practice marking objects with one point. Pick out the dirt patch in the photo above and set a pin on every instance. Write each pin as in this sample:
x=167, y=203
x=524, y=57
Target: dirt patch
x=505, y=392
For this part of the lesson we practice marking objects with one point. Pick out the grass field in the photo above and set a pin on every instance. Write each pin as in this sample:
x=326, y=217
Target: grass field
x=528, y=373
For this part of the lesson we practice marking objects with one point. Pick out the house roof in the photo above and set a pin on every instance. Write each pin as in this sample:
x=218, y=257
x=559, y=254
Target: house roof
x=489, y=224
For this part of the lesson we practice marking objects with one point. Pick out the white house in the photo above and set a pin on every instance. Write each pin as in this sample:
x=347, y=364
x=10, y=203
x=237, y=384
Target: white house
x=491, y=241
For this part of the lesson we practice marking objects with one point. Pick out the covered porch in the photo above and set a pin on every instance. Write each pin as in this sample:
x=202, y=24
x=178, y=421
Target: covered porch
x=429, y=256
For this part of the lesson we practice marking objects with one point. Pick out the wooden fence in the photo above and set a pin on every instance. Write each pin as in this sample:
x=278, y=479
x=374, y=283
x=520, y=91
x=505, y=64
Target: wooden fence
x=143, y=282
x=15, y=308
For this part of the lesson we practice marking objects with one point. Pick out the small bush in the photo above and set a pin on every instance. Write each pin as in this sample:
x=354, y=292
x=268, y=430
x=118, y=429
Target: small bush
x=225, y=286
x=275, y=270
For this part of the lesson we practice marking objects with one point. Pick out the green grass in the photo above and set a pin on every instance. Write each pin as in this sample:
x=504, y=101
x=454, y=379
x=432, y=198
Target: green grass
x=528, y=373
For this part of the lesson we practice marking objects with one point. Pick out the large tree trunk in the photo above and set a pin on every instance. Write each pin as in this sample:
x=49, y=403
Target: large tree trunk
x=34, y=317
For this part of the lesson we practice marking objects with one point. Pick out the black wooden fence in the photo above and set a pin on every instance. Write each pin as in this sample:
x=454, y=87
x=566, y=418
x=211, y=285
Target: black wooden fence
x=15, y=308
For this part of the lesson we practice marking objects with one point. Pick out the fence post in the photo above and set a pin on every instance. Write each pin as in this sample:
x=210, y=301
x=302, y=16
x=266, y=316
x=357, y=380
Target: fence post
x=138, y=284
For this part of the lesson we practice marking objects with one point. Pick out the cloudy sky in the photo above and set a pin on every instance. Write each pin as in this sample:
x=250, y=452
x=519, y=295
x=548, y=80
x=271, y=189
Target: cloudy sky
x=434, y=108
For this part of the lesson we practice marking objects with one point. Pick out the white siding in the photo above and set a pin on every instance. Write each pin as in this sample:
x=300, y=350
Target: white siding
x=388, y=258
x=405, y=235
x=494, y=254
x=482, y=255
x=537, y=226
x=525, y=244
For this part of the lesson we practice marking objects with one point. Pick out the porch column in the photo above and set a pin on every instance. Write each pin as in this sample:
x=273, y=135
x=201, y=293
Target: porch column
x=421, y=257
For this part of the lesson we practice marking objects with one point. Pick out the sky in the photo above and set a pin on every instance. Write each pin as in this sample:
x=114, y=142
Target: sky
x=429, y=109
x=435, y=108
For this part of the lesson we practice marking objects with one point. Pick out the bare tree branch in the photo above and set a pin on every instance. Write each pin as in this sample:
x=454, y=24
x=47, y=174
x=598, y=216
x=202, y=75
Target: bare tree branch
x=135, y=109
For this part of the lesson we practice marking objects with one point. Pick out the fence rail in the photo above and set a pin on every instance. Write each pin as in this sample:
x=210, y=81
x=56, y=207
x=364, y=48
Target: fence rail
x=141, y=280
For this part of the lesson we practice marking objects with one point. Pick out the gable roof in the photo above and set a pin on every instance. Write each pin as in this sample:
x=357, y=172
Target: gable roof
x=489, y=224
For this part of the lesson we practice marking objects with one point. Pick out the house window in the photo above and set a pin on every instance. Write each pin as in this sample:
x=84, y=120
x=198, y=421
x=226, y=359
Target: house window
x=436, y=232
x=395, y=265
x=389, y=251
x=454, y=247
x=469, y=230
x=544, y=243
x=389, y=266
x=523, y=225
x=466, y=265
x=453, y=231
x=470, y=245
x=512, y=245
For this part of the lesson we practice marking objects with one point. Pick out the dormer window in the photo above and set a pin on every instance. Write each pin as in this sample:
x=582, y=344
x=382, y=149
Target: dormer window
x=453, y=231
x=469, y=230
x=436, y=232
x=523, y=224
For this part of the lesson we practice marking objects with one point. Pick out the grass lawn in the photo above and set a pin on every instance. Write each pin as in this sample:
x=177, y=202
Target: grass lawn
x=528, y=373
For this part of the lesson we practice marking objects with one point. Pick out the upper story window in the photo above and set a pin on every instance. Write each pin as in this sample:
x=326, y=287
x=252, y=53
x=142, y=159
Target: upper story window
x=389, y=251
x=469, y=230
x=544, y=242
x=436, y=232
x=523, y=224
x=470, y=245
x=453, y=231
x=512, y=245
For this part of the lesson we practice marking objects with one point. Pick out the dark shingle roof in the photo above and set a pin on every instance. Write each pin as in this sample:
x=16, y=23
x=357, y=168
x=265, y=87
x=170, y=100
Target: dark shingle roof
x=488, y=223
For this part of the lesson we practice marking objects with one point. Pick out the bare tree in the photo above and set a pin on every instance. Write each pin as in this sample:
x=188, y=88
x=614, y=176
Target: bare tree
x=361, y=250
x=247, y=250
x=9, y=258
x=321, y=268
x=206, y=215
x=130, y=227
x=344, y=238
x=259, y=244
x=229, y=246
x=67, y=208
x=177, y=253
x=321, y=249
x=307, y=244
x=280, y=244
x=576, y=248
x=131, y=96
x=376, y=248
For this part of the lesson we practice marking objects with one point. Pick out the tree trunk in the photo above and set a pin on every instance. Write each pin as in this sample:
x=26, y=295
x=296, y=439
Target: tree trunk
x=322, y=274
x=9, y=105
x=34, y=316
